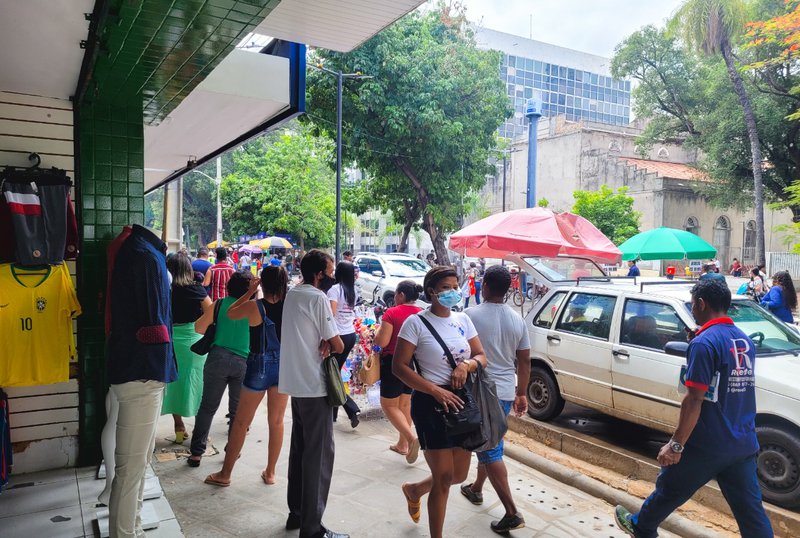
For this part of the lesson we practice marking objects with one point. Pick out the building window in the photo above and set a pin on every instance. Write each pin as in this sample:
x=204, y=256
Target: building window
x=749, y=250
x=692, y=225
x=722, y=239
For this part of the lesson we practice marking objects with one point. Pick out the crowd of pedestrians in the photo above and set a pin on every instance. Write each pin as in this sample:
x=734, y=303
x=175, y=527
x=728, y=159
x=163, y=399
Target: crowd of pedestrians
x=270, y=339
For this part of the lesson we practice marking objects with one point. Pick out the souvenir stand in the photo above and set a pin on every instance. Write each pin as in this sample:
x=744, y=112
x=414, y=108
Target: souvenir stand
x=366, y=327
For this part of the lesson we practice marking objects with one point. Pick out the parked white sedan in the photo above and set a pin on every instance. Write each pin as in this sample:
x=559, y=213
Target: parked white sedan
x=600, y=343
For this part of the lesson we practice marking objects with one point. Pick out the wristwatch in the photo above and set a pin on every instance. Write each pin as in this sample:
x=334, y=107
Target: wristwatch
x=675, y=446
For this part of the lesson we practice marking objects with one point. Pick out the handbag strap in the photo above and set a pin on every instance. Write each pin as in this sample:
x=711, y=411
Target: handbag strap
x=217, y=305
x=438, y=338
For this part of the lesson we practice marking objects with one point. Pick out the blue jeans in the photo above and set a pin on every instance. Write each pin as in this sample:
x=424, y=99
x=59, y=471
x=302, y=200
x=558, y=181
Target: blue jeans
x=677, y=483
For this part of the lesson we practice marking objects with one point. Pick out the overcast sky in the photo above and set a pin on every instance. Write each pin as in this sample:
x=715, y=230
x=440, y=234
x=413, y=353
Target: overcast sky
x=594, y=26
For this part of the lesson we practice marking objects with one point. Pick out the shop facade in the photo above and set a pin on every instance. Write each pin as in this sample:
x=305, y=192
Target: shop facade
x=124, y=97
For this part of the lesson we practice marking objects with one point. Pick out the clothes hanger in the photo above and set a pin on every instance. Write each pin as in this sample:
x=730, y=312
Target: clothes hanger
x=34, y=174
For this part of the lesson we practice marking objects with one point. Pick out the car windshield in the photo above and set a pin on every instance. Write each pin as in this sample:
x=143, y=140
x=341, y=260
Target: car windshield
x=770, y=335
x=565, y=269
x=407, y=268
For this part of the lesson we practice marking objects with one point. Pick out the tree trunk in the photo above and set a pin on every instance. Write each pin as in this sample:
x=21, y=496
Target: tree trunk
x=403, y=247
x=428, y=223
x=410, y=215
x=437, y=238
x=755, y=149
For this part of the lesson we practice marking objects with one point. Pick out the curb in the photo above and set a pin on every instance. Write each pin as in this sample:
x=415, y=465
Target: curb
x=674, y=523
x=785, y=522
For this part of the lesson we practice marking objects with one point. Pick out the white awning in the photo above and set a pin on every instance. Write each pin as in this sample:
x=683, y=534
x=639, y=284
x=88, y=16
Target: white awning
x=339, y=25
x=244, y=91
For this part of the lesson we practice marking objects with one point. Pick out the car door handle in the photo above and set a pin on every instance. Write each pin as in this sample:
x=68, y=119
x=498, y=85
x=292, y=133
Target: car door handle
x=621, y=353
x=553, y=338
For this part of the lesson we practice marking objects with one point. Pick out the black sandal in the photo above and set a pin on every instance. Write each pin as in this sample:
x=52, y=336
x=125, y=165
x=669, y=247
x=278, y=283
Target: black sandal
x=193, y=463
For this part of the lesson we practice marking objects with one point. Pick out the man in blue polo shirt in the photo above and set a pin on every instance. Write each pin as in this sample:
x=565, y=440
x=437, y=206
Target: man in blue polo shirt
x=724, y=444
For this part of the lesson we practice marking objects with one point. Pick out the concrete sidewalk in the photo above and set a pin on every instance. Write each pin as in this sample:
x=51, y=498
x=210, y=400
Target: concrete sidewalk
x=365, y=497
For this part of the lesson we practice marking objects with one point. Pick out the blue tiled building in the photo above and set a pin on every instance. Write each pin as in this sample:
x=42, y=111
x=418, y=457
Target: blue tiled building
x=570, y=83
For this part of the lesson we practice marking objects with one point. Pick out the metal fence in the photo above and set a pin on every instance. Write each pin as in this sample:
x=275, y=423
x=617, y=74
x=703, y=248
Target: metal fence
x=784, y=261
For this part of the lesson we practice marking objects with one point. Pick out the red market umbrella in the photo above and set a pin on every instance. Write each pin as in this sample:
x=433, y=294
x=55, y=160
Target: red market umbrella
x=535, y=232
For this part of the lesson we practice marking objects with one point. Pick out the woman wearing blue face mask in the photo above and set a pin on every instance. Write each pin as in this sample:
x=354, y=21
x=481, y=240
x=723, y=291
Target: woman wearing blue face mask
x=432, y=384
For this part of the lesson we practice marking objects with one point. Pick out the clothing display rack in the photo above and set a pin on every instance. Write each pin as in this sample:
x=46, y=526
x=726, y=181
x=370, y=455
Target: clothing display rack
x=34, y=174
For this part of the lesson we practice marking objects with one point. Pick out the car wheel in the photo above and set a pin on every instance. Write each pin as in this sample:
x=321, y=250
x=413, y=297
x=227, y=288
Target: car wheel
x=779, y=466
x=388, y=299
x=544, y=399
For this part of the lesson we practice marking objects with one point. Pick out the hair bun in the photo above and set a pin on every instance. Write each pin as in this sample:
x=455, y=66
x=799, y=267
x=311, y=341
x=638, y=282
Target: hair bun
x=418, y=288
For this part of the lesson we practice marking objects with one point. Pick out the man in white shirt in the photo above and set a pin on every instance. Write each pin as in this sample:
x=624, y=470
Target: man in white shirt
x=507, y=345
x=308, y=335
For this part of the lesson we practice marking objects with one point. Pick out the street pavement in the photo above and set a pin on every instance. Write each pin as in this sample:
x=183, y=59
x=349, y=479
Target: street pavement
x=365, y=497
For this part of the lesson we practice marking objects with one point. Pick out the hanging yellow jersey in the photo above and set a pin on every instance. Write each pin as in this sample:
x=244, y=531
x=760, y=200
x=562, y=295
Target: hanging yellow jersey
x=36, y=311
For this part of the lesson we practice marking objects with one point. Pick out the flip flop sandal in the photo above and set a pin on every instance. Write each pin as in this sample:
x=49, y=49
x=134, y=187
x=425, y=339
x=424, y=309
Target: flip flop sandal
x=214, y=482
x=264, y=478
x=414, y=507
x=413, y=452
x=180, y=437
x=394, y=448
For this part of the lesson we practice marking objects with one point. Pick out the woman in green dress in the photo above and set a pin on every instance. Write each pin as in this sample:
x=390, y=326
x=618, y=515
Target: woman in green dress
x=189, y=300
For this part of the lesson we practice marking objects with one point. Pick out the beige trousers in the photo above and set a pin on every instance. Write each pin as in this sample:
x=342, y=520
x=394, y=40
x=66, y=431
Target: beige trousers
x=139, y=409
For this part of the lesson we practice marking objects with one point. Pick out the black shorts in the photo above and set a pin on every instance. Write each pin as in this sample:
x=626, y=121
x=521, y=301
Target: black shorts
x=391, y=386
x=430, y=425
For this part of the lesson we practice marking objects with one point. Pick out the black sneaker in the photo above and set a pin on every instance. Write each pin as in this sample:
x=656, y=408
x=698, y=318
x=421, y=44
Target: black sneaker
x=623, y=519
x=293, y=522
x=508, y=523
x=473, y=496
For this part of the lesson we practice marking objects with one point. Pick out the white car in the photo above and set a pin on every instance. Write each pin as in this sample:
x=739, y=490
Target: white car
x=379, y=275
x=600, y=343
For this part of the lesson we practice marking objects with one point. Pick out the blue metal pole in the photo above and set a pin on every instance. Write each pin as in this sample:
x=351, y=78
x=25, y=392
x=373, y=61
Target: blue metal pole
x=533, y=111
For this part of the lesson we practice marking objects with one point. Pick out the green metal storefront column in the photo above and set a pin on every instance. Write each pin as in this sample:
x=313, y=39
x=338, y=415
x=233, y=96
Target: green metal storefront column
x=146, y=57
x=110, y=196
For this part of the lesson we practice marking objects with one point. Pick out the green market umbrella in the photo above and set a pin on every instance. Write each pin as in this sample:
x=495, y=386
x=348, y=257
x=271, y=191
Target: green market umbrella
x=666, y=244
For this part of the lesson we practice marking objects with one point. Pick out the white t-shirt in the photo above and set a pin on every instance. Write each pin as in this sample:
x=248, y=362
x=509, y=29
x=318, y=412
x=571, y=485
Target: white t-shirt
x=456, y=330
x=307, y=321
x=344, y=312
x=502, y=332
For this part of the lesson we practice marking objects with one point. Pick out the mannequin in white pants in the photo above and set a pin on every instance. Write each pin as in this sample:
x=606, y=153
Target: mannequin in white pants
x=108, y=442
x=139, y=409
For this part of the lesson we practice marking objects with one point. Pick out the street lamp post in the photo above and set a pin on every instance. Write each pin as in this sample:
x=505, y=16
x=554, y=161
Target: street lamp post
x=339, y=81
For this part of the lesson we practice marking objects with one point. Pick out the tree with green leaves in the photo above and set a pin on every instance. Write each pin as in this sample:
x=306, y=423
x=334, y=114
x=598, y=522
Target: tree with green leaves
x=282, y=182
x=423, y=126
x=689, y=99
x=712, y=27
x=611, y=212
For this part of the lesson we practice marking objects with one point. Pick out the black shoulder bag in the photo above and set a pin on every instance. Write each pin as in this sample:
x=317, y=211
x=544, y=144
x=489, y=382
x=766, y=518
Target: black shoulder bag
x=203, y=346
x=466, y=422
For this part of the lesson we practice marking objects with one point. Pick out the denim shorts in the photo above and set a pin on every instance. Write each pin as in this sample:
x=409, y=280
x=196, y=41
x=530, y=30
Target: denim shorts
x=262, y=371
x=495, y=454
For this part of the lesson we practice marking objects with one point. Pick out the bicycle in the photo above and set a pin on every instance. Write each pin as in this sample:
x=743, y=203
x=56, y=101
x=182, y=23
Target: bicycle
x=514, y=293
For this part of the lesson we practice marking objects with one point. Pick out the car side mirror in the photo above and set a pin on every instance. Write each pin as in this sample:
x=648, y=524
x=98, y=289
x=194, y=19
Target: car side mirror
x=377, y=274
x=676, y=349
